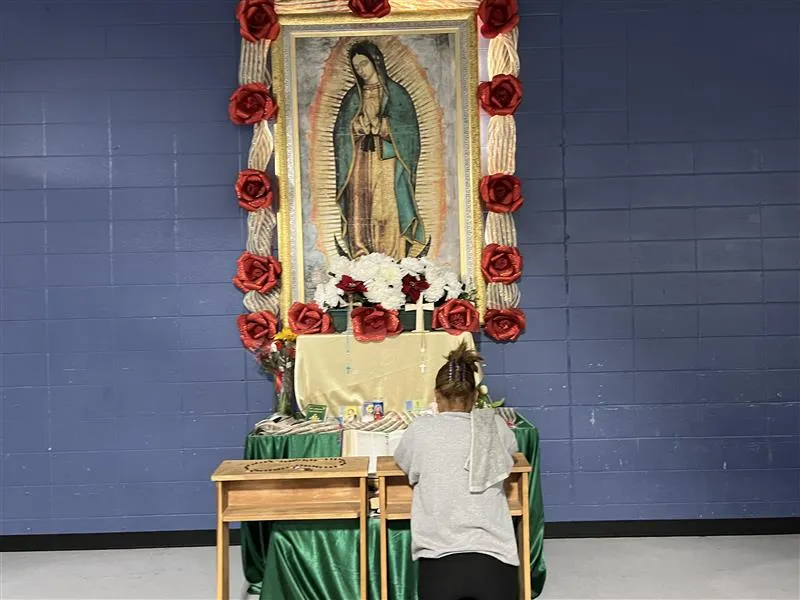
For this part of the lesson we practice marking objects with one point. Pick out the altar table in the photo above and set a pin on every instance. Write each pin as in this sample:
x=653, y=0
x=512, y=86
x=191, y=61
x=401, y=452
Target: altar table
x=336, y=370
x=299, y=560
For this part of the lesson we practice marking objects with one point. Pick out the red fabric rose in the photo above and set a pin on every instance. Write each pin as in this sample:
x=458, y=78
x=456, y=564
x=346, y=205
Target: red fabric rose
x=253, y=189
x=501, y=264
x=257, y=273
x=351, y=286
x=501, y=96
x=251, y=103
x=501, y=193
x=257, y=20
x=504, y=325
x=257, y=329
x=309, y=319
x=498, y=16
x=375, y=324
x=414, y=286
x=456, y=317
x=369, y=9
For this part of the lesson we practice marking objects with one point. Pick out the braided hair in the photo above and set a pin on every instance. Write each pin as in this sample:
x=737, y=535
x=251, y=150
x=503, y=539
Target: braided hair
x=455, y=381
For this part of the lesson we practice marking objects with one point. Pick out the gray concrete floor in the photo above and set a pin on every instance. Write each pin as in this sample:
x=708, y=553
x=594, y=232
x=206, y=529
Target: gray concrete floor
x=752, y=568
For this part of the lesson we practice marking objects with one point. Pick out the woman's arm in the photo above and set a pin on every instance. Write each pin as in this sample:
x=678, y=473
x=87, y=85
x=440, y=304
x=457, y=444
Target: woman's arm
x=404, y=454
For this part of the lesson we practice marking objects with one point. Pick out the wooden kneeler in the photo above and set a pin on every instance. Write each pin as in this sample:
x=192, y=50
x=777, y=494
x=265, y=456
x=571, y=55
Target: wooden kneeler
x=307, y=489
x=395, y=505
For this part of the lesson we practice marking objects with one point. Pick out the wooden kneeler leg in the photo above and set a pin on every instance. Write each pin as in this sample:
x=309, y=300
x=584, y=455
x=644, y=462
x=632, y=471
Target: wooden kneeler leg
x=363, y=539
x=525, y=554
x=384, y=558
x=223, y=541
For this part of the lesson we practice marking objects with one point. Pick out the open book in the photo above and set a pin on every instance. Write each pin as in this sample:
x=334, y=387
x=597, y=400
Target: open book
x=370, y=443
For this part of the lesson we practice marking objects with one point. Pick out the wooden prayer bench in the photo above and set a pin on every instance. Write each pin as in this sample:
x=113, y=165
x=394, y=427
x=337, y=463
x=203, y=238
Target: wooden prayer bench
x=289, y=490
x=395, y=505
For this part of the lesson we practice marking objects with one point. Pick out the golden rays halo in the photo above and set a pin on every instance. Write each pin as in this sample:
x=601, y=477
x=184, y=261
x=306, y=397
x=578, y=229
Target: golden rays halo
x=337, y=78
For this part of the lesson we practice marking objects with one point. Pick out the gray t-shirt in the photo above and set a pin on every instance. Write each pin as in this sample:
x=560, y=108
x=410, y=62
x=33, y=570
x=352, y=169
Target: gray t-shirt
x=445, y=517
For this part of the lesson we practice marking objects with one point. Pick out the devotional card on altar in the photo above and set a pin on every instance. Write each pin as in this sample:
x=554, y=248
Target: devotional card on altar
x=348, y=414
x=316, y=412
x=372, y=411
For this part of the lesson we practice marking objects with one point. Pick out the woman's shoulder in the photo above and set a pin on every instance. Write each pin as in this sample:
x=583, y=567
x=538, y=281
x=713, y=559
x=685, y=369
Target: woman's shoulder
x=421, y=422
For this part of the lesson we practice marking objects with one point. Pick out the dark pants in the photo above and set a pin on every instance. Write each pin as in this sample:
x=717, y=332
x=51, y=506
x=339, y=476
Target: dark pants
x=467, y=577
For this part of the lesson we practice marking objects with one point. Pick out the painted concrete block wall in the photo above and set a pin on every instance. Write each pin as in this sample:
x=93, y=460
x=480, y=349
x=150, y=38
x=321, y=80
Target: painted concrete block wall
x=659, y=146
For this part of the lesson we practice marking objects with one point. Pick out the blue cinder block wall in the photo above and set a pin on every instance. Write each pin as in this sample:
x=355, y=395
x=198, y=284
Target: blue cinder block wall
x=659, y=147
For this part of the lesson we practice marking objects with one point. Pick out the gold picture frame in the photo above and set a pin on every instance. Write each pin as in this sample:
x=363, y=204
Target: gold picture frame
x=309, y=84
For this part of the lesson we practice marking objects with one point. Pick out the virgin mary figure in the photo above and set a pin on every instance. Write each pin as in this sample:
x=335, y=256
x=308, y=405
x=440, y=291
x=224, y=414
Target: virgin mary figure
x=377, y=149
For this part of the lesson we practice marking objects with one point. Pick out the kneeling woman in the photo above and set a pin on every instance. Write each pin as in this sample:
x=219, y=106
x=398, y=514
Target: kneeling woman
x=461, y=528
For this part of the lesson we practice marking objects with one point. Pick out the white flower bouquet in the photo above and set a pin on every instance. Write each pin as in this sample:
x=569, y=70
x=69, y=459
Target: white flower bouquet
x=379, y=280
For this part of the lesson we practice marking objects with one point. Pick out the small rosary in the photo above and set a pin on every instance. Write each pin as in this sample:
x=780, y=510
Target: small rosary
x=291, y=465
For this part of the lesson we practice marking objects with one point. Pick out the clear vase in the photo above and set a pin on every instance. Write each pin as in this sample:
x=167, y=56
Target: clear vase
x=283, y=403
x=284, y=397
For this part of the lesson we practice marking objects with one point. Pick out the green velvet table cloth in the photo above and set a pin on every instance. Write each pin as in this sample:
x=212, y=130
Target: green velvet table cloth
x=319, y=559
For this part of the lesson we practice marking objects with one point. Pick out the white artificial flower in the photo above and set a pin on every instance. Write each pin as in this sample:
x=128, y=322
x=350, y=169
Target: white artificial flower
x=412, y=266
x=386, y=295
x=366, y=267
x=388, y=274
x=339, y=266
x=327, y=295
x=434, y=293
x=394, y=299
x=483, y=390
x=452, y=285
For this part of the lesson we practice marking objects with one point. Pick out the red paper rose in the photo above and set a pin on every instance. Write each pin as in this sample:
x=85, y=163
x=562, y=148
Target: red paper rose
x=414, y=286
x=456, y=317
x=308, y=319
x=501, y=96
x=257, y=273
x=498, y=16
x=369, y=9
x=257, y=329
x=257, y=20
x=504, y=325
x=251, y=103
x=351, y=286
x=501, y=264
x=501, y=193
x=375, y=324
x=253, y=189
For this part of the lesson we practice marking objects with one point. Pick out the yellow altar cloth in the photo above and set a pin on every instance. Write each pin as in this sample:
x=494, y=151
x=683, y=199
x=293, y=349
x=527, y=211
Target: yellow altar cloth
x=336, y=370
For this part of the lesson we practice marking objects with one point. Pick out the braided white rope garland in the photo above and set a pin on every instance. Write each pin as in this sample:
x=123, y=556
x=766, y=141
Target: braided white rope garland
x=503, y=56
x=255, y=302
x=501, y=149
x=505, y=295
x=500, y=229
x=260, y=229
x=260, y=223
x=501, y=145
x=261, y=147
x=253, y=62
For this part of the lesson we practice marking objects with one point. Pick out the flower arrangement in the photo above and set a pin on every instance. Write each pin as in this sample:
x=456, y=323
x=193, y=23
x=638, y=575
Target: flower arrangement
x=485, y=400
x=277, y=360
x=379, y=280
